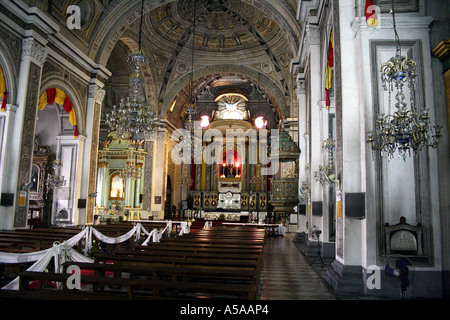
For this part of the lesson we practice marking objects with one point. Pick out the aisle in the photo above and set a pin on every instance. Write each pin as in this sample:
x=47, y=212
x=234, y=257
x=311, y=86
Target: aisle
x=286, y=274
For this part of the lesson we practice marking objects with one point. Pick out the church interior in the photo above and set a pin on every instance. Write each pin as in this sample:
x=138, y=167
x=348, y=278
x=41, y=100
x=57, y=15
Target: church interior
x=188, y=149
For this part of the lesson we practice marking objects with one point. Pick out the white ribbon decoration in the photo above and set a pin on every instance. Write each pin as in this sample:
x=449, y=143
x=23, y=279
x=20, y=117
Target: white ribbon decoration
x=43, y=257
x=111, y=240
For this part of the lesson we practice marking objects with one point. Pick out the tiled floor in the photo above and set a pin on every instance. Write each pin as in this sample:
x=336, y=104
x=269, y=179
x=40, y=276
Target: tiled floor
x=287, y=274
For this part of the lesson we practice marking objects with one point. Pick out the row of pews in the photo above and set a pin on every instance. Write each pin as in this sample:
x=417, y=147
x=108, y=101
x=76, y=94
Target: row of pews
x=32, y=240
x=222, y=262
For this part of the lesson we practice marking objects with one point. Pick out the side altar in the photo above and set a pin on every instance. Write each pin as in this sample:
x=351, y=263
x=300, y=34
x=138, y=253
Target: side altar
x=119, y=180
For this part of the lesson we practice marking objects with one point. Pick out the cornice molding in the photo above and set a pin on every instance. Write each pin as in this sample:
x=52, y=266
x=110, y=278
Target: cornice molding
x=442, y=50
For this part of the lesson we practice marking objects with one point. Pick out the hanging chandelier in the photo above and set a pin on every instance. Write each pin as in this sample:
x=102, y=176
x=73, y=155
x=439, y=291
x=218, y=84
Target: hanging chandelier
x=191, y=109
x=407, y=128
x=326, y=174
x=134, y=116
x=55, y=180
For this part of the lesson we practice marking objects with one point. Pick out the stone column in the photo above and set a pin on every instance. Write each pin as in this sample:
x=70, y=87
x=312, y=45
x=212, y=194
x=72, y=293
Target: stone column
x=101, y=183
x=6, y=128
x=147, y=192
x=303, y=140
x=89, y=162
x=20, y=156
x=315, y=92
x=442, y=52
x=346, y=272
x=159, y=175
x=137, y=190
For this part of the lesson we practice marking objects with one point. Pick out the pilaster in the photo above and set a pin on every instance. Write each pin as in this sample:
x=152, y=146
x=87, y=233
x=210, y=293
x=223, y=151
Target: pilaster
x=20, y=157
x=159, y=175
x=89, y=157
x=303, y=142
x=345, y=276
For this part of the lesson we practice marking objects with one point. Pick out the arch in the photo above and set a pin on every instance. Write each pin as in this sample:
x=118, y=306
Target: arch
x=3, y=89
x=56, y=82
x=275, y=93
x=9, y=69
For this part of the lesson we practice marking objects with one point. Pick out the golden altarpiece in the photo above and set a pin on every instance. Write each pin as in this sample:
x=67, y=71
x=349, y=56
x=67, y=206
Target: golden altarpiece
x=232, y=188
x=120, y=179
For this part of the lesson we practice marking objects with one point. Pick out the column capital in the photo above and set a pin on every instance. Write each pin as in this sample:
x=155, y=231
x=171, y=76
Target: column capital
x=312, y=36
x=301, y=86
x=33, y=49
x=97, y=93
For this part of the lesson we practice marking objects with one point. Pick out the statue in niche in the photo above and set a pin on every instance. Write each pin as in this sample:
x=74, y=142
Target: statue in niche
x=231, y=167
x=116, y=191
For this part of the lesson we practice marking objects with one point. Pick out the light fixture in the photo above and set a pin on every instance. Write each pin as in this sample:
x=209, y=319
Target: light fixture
x=205, y=121
x=54, y=179
x=260, y=122
x=326, y=174
x=135, y=161
x=304, y=191
x=405, y=129
x=191, y=108
x=134, y=117
x=133, y=170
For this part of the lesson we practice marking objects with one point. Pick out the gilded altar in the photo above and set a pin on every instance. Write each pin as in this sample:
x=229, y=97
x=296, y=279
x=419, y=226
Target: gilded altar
x=119, y=181
x=225, y=187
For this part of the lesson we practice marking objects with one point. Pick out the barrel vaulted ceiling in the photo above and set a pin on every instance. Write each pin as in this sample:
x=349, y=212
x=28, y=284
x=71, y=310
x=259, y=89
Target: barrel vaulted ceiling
x=254, y=40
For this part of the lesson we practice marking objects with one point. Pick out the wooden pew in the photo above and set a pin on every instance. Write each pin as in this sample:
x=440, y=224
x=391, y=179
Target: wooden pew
x=24, y=241
x=214, y=263
x=214, y=241
x=157, y=246
x=142, y=288
x=168, y=273
x=178, y=262
x=189, y=254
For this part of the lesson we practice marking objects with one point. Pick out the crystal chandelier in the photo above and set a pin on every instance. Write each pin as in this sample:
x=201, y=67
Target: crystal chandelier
x=132, y=170
x=135, y=161
x=134, y=117
x=304, y=191
x=405, y=129
x=54, y=180
x=191, y=109
x=326, y=174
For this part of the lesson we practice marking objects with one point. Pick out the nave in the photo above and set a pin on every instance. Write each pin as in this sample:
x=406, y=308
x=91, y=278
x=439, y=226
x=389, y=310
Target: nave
x=246, y=111
x=243, y=262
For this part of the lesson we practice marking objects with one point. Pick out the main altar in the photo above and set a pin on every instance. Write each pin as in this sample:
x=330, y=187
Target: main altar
x=232, y=188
